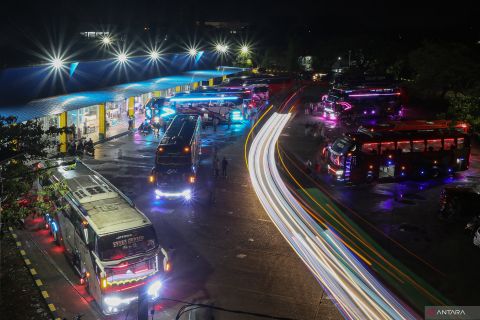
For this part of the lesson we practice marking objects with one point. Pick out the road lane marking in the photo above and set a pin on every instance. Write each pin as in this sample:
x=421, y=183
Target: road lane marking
x=45, y=294
x=39, y=282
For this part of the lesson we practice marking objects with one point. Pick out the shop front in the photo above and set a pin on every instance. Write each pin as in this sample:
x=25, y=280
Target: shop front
x=84, y=120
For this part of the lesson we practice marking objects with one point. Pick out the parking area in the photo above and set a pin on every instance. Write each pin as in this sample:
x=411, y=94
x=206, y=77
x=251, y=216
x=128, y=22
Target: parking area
x=402, y=217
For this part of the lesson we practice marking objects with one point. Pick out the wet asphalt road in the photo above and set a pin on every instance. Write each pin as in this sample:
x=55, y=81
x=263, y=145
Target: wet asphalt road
x=228, y=253
x=407, y=213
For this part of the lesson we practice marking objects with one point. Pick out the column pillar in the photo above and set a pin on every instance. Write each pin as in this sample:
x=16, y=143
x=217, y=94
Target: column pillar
x=177, y=89
x=195, y=85
x=224, y=78
x=63, y=135
x=210, y=82
x=131, y=110
x=102, y=121
x=156, y=93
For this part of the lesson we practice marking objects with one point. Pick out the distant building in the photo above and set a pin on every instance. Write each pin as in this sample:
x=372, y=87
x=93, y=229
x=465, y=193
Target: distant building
x=227, y=26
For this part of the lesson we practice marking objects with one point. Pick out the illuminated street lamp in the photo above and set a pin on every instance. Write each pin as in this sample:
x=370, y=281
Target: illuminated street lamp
x=244, y=50
x=57, y=63
x=192, y=52
x=122, y=57
x=107, y=40
x=221, y=48
x=154, y=55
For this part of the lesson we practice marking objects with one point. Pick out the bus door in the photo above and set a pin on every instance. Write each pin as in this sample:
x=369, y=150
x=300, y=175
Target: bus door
x=387, y=168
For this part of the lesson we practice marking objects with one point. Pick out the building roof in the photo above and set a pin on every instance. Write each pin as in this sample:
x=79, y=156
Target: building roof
x=58, y=104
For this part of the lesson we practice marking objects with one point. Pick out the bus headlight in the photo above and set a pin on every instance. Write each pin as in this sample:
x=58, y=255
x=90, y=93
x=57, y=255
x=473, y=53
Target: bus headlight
x=154, y=289
x=187, y=194
x=114, y=301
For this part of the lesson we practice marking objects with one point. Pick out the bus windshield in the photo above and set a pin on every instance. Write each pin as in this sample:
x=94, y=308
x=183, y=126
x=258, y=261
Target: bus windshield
x=128, y=243
x=341, y=146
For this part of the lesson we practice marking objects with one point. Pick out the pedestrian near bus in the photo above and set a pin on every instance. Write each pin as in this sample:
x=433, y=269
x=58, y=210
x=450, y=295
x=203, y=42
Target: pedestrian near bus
x=216, y=166
x=224, y=167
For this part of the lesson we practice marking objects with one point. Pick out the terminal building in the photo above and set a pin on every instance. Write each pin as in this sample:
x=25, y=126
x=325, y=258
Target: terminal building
x=97, y=98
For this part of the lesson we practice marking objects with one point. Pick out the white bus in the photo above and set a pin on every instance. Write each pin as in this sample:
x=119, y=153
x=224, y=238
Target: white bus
x=110, y=243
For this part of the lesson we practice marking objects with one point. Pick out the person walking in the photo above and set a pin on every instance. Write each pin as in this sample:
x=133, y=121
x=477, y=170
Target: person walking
x=216, y=167
x=224, y=167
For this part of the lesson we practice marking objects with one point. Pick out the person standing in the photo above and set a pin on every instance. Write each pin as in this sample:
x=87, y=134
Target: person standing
x=224, y=167
x=216, y=167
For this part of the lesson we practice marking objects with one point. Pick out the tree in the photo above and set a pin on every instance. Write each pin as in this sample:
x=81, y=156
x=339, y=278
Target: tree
x=442, y=68
x=465, y=108
x=22, y=146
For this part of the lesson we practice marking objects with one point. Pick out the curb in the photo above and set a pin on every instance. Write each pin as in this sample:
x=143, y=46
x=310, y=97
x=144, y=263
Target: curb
x=114, y=137
x=35, y=276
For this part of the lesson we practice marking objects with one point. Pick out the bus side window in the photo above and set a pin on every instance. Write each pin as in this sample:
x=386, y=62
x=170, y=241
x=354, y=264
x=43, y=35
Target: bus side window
x=386, y=147
x=404, y=146
x=370, y=148
x=460, y=143
x=434, y=145
x=448, y=144
x=418, y=146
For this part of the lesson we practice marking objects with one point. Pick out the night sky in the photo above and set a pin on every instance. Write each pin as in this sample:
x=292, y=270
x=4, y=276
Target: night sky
x=271, y=22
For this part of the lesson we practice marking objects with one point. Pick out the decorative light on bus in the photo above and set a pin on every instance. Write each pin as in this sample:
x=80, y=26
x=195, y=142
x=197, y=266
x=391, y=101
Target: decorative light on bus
x=203, y=99
x=151, y=178
x=104, y=283
x=191, y=179
x=160, y=149
x=360, y=95
x=167, y=267
x=166, y=111
x=186, y=149
x=236, y=115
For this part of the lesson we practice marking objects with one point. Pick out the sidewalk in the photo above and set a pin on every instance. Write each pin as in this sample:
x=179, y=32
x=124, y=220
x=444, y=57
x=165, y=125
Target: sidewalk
x=20, y=297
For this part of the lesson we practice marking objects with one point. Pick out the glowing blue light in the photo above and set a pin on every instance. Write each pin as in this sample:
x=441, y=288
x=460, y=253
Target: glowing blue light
x=422, y=172
x=203, y=99
x=236, y=115
x=73, y=67
x=166, y=111
x=54, y=226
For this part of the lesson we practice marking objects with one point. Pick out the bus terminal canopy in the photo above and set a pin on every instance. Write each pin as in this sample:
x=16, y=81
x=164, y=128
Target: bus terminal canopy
x=58, y=104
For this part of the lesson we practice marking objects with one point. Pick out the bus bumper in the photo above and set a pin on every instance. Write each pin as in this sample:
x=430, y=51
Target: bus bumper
x=168, y=194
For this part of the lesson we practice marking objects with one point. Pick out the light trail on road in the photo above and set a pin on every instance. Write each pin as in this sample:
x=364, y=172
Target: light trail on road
x=356, y=291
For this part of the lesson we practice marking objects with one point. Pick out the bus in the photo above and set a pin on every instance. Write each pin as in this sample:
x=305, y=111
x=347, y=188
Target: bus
x=223, y=106
x=159, y=108
x=275, y=84
x=111, y=245
x=177, y=158
x=347, y=101
x=404, y=150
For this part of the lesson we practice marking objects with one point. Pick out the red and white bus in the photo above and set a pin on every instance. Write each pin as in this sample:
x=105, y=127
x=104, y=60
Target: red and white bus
x=399, y=150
